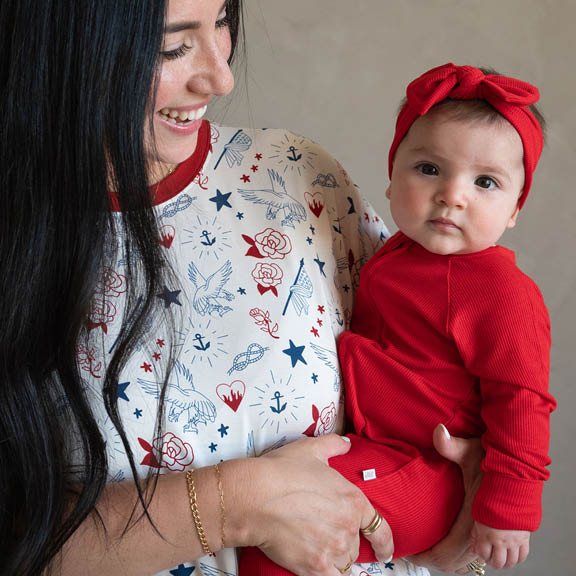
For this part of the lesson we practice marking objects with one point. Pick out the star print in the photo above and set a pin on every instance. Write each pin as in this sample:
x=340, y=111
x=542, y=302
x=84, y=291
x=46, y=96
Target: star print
x=240, y=215
x=258, y=156
x=241, y=291
x=295, y=353
x=223, y=430
x=321, y=309
x=245, y=178
x=182, y=570
x=376, y=219
x=366, y=217
x=389, y=565
x=169, y=297
x=312, y=230
x=315, y=378
x=146, y=367
x=213, y=447
x=346, y=288
x=320, y=265
x=309, y=240
x=320, y=322
x=138, y=413
x=122, y=391
x=156, y=356
x=314, y=331
x=254, y=168
x=160, y=342
x=221, y=200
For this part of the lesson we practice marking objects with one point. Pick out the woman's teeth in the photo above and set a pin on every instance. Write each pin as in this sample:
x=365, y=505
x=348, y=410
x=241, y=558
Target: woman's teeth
x=180, y=117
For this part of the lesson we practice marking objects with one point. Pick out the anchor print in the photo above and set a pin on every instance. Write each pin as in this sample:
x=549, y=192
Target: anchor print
x=207, y=240
x=278, y=409
x=292, y=156
x=203, y=346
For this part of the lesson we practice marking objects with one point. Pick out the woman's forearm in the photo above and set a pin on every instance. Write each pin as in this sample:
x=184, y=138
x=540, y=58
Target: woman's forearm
x=104, y=547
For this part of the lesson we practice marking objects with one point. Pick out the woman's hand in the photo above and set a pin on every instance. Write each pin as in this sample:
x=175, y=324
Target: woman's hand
x=304, y=515
x=453, y=552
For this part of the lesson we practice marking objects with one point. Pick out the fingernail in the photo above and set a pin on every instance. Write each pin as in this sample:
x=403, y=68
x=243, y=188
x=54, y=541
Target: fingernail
x=445, y=430
x=345, y=438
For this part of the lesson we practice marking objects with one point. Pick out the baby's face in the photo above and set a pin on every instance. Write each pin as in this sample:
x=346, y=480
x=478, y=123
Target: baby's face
x=455, y=184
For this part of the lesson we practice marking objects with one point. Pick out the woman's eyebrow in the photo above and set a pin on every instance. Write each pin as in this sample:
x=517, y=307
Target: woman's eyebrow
x=187, y=24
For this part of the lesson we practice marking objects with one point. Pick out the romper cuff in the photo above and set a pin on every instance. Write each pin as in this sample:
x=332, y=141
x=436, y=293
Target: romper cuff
x=508, y=503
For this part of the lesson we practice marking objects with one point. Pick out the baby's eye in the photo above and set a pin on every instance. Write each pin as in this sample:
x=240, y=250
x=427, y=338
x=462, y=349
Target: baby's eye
x=428, y=169
x=486, y=182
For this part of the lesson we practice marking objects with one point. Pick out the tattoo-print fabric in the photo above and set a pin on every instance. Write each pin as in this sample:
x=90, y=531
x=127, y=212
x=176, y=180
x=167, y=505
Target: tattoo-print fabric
x=266, y=241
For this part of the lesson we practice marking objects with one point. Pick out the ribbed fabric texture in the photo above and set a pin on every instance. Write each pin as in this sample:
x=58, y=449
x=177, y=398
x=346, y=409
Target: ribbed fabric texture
x=462, y=340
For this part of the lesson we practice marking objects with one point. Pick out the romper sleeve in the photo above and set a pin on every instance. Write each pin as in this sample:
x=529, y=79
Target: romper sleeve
x=501, y=326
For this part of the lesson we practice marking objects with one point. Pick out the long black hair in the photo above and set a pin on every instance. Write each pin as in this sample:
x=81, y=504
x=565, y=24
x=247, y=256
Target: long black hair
x=75, y=84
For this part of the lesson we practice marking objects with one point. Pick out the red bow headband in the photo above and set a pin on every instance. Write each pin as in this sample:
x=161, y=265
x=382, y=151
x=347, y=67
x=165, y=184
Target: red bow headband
x=510, y=97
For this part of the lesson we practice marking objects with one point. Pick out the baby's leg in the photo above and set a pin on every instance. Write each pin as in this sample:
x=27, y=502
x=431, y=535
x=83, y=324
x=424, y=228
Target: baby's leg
x=418, y=495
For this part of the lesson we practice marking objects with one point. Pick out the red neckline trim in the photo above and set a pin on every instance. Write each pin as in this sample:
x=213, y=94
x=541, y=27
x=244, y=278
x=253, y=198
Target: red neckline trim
x=185, y=173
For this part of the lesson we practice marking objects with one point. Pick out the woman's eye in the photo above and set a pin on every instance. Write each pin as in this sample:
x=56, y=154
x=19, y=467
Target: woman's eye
x=223, y=21
x=428, y=169
x=486, y=182
x=176, y=53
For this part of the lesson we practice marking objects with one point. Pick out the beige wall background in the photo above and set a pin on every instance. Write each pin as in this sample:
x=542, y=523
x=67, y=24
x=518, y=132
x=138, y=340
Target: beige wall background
x=335, y=70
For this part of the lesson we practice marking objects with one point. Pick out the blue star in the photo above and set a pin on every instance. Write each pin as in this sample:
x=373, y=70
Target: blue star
x=223, y=430
x=240, y=215
x=309, y=240
x=241, y=291
x=295, y=353
x=315, y=378
x=182, y=570
x=213, y=447
x=320, y=265
x=346, y=288
x=221, y=200
x=389, y=565
x=169, y=297
x=312, y=229
x=122, y=391
x=138, y=413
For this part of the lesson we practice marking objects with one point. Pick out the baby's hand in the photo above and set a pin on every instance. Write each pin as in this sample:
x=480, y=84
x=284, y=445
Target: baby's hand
x=500, y=548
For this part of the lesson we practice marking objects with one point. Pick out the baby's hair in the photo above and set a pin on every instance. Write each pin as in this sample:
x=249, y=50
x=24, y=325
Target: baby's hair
x=477, y=110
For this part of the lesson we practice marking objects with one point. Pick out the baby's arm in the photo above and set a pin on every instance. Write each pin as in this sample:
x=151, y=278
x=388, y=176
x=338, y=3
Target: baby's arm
x=500, y=548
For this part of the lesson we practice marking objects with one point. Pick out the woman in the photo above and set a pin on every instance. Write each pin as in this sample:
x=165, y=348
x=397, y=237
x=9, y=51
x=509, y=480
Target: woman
x=171, y=295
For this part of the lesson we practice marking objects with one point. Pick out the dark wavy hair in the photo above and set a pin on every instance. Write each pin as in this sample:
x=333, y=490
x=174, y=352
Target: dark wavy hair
x=75, y=80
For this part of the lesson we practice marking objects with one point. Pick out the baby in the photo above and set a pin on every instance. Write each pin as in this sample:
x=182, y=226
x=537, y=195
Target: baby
x=447, y=329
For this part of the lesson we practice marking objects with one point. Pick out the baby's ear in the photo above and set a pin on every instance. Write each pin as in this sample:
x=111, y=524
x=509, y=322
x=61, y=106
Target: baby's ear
x=512, y=221
x=388, y=192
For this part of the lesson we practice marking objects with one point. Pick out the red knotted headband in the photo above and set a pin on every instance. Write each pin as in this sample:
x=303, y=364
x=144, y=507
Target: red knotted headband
x=510, y=97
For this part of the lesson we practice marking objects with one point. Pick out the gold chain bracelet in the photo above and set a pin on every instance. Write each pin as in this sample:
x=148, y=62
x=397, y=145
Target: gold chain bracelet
x=222, y=507
x=196, y=513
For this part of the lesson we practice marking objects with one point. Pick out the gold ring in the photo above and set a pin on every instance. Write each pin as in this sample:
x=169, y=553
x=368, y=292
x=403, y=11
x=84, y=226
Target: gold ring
x=478, y=567
x=374, y=524
x=347, y=567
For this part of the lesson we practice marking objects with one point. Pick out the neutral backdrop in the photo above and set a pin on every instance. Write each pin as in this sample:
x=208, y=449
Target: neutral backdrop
x=335, y=70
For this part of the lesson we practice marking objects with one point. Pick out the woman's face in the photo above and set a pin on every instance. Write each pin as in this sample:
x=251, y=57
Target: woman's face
x=194, y=68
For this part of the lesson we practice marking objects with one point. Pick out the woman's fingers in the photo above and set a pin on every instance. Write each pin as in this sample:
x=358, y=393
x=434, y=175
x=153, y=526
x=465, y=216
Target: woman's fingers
x=378, y=532
x=466, y=452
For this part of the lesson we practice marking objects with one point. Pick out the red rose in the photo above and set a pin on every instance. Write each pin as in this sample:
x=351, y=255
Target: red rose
x=273, y=244
x=267, y=276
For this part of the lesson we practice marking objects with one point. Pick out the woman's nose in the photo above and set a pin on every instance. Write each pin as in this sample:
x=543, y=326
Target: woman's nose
x=211, y=73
